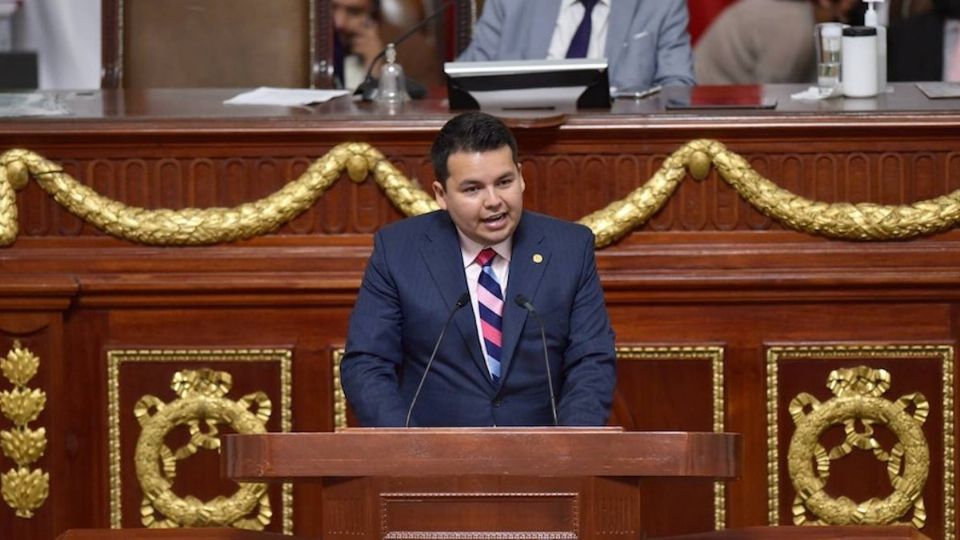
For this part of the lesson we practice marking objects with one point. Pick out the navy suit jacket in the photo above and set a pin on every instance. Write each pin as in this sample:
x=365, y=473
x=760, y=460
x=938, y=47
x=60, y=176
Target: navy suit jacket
x=647, y=40
x=414, y=278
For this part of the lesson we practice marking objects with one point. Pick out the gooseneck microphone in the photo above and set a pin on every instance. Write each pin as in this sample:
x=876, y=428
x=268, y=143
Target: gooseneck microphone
x=522, y=301
x=369, y=84
x=462, y=301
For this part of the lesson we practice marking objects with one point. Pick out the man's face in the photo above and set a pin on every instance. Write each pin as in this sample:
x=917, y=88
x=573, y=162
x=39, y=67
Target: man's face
x=834, y=10
x=484, y=194
x=350, y=17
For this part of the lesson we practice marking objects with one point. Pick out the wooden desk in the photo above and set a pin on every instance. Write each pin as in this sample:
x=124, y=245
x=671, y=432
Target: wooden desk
x=724, y=315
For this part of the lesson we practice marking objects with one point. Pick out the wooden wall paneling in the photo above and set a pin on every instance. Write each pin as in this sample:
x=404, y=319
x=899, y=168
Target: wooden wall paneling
x=40, y=334
x=84, y=407
x=315, y=388
x=308, y=332
x=707, y=268
x=178, y=179
x=566, y=185
x=673, y=388
x=745, y=327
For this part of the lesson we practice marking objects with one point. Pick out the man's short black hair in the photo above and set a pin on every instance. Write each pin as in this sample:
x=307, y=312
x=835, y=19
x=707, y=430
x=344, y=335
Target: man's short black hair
x=469, y=132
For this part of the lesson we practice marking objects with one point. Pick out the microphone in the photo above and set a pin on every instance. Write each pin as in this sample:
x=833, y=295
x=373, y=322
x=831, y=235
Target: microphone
x=522, y=301
x=462, y=301
x=416, y=90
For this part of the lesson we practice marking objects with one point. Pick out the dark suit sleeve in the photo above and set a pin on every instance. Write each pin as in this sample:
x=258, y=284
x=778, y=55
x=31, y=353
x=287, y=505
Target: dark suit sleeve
x=589, y=366
x=674, y=56
x=486, y=34
x=374, y=348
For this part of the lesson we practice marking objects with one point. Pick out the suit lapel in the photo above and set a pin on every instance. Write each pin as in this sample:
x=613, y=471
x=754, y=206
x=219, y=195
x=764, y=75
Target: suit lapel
x=441, y=254
x=544, y=19
x=527, y=263
x=621, y=16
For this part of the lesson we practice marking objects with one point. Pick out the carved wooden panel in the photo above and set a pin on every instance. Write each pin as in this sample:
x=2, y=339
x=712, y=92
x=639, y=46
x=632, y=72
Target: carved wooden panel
x=568, y=185
x=673, y=388
x=41, y=336
x=906, y=436
x=417, y=515
x=482, y=507
x=203, y=183
x=166, y=409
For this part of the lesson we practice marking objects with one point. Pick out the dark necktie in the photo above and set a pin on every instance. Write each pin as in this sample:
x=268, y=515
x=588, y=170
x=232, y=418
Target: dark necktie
x=338, y=75
x=581, y=38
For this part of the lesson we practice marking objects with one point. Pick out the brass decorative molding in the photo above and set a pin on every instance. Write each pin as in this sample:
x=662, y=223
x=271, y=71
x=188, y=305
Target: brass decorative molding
x=708, y=353
x=858, y=400
x=195, y=226
x=202, y=405
x=339, y=398
x=24, y=489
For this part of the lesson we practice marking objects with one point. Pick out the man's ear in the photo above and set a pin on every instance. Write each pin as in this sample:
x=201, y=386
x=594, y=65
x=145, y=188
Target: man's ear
x=438, y=194
x=523, y=185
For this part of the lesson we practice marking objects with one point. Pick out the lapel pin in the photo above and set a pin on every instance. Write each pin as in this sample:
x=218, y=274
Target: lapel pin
x=537, y=258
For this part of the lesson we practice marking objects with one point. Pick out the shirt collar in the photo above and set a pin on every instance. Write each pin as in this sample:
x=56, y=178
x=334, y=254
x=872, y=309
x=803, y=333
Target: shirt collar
x=470, y=249
x=570, y=3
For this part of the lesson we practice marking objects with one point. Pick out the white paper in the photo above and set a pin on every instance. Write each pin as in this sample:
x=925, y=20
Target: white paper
x=815, y=93
x=32, y=104
x=286, y=97
x=940, y=90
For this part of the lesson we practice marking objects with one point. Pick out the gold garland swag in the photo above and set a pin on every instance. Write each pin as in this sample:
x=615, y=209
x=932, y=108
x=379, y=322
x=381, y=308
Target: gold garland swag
x=196, y=226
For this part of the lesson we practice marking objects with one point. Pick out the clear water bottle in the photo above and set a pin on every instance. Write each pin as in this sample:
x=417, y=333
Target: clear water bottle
x=828, y=38
x=392, y=88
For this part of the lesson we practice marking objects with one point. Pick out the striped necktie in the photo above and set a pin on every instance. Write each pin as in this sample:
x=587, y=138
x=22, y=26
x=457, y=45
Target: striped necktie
x=490, y=304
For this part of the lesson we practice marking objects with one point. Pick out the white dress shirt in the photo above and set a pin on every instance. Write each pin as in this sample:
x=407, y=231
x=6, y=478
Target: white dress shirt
x=500, y=265
x=571, y=13
x=951, y=50
x=353, y=71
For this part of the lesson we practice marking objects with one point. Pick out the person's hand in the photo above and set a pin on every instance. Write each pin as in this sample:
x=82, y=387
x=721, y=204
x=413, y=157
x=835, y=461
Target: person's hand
x=366, y=42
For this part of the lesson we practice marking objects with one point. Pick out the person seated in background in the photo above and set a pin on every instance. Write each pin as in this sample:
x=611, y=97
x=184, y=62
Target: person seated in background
x=357, y=41
x=362, y=28
x=765, y=41
x=644, y=41
x=926, y=46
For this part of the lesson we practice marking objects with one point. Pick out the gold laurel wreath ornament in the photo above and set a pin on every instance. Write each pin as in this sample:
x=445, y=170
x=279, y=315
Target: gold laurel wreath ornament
x=858, y=401
x=201, y=407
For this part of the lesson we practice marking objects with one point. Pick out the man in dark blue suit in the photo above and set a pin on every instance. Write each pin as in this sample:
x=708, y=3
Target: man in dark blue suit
x=489, y=369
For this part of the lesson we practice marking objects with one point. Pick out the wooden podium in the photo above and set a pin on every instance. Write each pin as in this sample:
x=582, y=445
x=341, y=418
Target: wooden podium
x=490, y=483
x=809, y=533
x=170, y=534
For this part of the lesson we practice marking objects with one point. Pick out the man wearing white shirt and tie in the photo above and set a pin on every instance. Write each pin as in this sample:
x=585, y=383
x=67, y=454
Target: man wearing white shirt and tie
x=926, y=46
x=645, y=42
